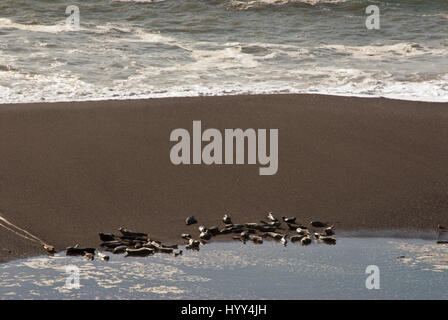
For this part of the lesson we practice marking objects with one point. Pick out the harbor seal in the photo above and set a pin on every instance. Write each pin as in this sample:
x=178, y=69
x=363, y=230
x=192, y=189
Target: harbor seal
x=106, y=236
x=190, y=220
x=325, y=239
x=226, y=219
x=77, y=251
x=318, y=224
x=306, y=240
x=289, y=220
x=329, y=231
x=119, y=249
x=142, y=252
x=131, y=234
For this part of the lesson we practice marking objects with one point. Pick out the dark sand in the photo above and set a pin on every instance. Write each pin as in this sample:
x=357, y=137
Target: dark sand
x=71, y=170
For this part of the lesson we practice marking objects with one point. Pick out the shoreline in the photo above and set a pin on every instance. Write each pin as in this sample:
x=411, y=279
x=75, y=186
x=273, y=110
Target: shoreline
x=238, y=94
x=72, y=169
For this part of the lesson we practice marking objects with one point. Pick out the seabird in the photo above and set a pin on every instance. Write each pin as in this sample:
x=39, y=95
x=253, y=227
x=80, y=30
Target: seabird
x=283, y=240
x=271, y=217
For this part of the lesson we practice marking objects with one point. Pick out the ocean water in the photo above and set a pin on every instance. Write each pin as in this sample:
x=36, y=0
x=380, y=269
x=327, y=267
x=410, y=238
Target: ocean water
x=138, y=49
x=408, y=268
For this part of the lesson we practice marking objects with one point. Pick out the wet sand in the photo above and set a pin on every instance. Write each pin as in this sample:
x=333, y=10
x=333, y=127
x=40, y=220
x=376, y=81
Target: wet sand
x=71, y=170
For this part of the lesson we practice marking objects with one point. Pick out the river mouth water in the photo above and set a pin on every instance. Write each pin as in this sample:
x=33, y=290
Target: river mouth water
x=409, y=268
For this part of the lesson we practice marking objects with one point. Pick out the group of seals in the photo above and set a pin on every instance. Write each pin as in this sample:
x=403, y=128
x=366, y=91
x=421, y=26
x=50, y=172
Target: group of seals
x=130, y=242
x=256, y=231
x=140, y=244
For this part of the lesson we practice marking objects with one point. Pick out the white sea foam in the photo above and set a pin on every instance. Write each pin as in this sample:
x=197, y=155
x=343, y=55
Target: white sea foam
x=244, y=5
x=405, y=49
x=60, y=27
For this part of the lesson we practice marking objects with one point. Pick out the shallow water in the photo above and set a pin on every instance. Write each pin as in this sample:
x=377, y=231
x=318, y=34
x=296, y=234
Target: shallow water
x=145, y=48
x=409, y=269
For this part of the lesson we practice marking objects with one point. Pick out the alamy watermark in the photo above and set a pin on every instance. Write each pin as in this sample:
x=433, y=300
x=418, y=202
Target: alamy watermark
x=373, y=20
x=214, y=153
x=72, y=281
x=73, y=20
x=373, y=280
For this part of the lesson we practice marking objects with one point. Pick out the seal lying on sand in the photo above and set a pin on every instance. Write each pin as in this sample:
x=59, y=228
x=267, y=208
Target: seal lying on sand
x=329, y=231
x=190, y=220
x=142, y=252
x=77, y=251
x=158, y=247
x=115, y=243
x=106, y=236
x=296, y=238
x=325, y=239
x=205, y=235
x=302, y=232
x=49, y=248
x=119, y=249
x=318, y=224
x=255, y=239
x=226, y=219
x=213, y=230
x=132, y=235
x=306, y=240
x=275, y=224
x=192, y=245
x=289, y=220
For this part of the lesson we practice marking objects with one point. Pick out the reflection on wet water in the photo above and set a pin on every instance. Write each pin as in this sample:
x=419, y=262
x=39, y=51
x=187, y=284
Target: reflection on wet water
x=409, y=269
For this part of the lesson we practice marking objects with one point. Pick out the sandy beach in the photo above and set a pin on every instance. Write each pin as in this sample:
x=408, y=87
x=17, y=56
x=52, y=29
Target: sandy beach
x=71, y=170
